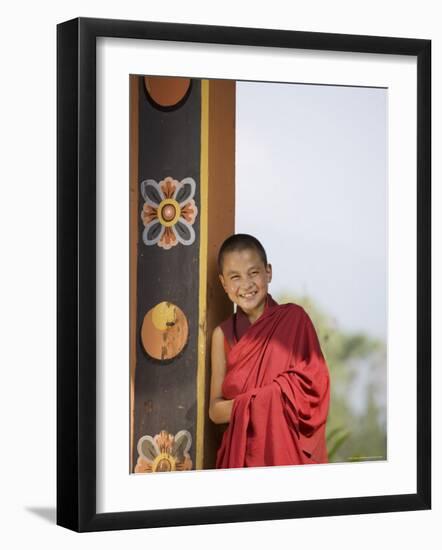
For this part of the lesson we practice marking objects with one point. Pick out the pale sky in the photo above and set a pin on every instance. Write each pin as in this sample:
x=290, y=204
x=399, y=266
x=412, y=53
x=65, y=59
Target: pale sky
x=311, y=185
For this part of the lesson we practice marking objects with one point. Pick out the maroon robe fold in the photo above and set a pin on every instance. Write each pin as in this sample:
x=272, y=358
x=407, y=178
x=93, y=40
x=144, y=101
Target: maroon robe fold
x=279, y=380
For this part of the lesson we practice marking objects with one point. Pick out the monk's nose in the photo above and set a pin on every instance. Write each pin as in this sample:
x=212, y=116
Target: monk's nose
x=248, y=286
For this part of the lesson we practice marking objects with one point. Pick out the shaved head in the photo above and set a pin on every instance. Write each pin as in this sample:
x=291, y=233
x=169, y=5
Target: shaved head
x=237, y=243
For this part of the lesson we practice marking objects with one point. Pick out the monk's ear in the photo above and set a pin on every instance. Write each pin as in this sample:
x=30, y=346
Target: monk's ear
x=221, y=278
x=269, y=272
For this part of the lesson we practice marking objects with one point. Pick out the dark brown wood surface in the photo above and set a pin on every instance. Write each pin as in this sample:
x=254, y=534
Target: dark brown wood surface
x=165, y=391
x=221, y=224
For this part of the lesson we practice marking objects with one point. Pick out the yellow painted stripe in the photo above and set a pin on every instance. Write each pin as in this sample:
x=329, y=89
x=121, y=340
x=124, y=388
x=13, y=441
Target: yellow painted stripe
x=202, y=317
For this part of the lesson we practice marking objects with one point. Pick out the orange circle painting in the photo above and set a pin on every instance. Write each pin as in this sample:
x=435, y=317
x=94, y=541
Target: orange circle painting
x=166, y=91
x=164, y=331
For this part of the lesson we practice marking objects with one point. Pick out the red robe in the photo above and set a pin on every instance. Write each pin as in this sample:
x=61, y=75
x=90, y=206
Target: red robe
x=279, y=380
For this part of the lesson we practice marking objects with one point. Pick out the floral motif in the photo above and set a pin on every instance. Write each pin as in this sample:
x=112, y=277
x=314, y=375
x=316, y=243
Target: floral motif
x=169, y=211
x=164, y=452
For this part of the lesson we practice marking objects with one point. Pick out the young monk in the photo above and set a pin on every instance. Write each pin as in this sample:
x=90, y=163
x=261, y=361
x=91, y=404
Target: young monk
x=269, y=381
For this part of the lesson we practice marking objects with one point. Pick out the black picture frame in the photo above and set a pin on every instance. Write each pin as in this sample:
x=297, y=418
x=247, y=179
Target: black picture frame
x=76, y=273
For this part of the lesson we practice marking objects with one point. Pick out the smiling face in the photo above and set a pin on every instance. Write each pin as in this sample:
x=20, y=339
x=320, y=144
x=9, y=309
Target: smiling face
x=245, y=279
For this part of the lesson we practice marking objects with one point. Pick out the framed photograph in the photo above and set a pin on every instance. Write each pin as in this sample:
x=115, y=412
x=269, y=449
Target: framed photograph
x=244, y=274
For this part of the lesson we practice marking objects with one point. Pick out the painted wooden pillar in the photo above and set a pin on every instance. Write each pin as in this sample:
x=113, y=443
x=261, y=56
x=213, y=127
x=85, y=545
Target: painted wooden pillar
x=182, y=207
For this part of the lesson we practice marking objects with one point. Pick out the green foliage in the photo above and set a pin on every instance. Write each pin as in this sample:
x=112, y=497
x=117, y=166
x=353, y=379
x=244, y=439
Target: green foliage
x=335, y=438
x=357, y=363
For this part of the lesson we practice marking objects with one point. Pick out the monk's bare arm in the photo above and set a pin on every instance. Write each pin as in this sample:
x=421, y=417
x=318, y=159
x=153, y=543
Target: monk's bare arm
x=220, y=409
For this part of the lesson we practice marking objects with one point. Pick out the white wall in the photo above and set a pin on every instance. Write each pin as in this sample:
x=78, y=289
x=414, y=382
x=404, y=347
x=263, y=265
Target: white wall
x=27, y=299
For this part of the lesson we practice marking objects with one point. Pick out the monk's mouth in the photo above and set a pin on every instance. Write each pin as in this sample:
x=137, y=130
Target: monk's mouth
x=249, y=294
